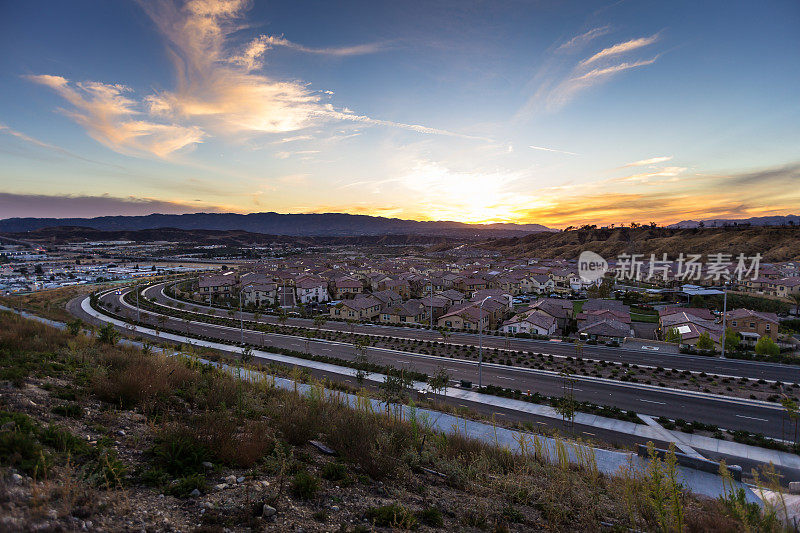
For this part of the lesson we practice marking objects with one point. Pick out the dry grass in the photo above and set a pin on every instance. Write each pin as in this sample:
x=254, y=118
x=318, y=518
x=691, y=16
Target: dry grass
x=198, y=414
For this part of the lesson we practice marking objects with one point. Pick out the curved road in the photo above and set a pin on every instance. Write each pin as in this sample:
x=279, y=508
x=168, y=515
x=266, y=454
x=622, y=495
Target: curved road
x=726, y=412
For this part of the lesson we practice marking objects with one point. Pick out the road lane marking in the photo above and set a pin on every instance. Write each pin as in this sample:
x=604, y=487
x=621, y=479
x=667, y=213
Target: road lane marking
x=652, y=401
x=753, y=418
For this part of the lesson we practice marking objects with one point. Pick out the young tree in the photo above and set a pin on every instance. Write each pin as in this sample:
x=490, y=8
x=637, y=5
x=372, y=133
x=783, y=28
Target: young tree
x=704, y=342
x=108, y=335
x=361, y=359
x=247, y=354
x=673, y=335
x=394, y=389
x=319, y=321
x=439, y=381
x=766, y=346
x=732, y=340
x=74, y=327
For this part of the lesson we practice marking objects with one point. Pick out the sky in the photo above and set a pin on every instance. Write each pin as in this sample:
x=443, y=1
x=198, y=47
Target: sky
x=552, y=112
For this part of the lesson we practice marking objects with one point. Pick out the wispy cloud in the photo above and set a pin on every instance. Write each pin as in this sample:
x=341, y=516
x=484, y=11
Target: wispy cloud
x=620, y=48
x=47, y=146
x=560, y=81
x=581, y=40
x=542, y=148
x=225, y=91
x=220, y=89
x=108, y=115
x=614, y=69
x=650, y=161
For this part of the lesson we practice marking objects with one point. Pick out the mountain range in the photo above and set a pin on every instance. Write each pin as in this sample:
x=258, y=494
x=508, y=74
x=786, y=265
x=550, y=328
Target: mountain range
x=313, y=224
x=779, y=220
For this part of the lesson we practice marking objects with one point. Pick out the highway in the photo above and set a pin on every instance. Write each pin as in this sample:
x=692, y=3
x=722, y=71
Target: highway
x=711, y=365
x=726, y=412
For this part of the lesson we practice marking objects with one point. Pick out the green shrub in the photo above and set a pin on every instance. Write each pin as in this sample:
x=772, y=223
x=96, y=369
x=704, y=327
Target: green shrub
x=431, y=516
x=21, y=450
x=304, y=485
x=187, y=484
x=392, y=515
x=179, y=453
x=63, y=441
x=334, y=471
x=70, y=410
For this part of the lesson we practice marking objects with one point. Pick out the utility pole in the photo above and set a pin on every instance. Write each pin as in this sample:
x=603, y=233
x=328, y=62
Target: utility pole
x=241, y=315
x=480, y=342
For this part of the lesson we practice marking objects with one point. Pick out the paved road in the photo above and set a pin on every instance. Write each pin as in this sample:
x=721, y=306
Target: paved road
x=712, y=365
x=729, y=413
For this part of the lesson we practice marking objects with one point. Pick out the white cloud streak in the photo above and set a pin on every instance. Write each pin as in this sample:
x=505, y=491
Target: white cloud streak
x=581, y=40
x=542, y=148
x=650, y=161
x=620, y=48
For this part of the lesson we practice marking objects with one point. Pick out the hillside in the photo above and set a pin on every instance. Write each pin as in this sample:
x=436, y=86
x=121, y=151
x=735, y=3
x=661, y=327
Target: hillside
x=773, y=243
x=316, y=224
x=100, y=437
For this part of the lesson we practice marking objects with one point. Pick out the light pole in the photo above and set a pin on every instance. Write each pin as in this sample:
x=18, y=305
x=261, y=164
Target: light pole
x=480, y=342
x=430, y=286
x=241, y=314
x=136, y=288
x=724, y=315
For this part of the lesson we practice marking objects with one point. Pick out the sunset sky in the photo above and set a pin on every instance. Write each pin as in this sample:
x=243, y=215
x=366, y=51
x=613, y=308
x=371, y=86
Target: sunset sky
x=548, y=112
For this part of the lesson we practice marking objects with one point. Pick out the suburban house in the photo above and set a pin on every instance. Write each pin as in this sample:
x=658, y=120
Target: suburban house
x=532, y=322
x=438, y=304
x=690, y=323
x=387, y=297
x=752, y=325
x=410, y=312
x=310, y=289
x=453, y=296
x=347, y=287
x=500, y=295
x=216, y=285
x=605, y=324
x=560, y=310
x=538, y=283
x=469, y=285
x=465, y=317
x=365, y=308
x=259, y=293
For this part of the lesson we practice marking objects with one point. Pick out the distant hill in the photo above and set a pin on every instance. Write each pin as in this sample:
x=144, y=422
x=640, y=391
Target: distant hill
x=754, y=221
x=77, y=234
x=773, y=243
x=322, y=224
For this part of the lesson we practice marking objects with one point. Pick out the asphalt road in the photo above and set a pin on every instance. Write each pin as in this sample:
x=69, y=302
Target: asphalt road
x=712, y=365
x=730, y=413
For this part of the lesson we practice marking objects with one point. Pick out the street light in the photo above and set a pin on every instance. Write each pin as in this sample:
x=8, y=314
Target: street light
x=724, y=314
x=241, y=314
x=480, y=342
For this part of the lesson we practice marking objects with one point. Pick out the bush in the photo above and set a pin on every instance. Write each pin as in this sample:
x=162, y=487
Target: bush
x=69, y=410
x=186, y=485
x=304, y=485
x=393, y=515
x=178, y=452
x=334, y=471
x=431, y=516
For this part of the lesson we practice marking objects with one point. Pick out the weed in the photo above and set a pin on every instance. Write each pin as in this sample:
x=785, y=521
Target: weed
x=304, y=485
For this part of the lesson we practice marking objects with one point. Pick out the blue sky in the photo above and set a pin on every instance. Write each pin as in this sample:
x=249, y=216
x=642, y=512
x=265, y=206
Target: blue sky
x=552, y=112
